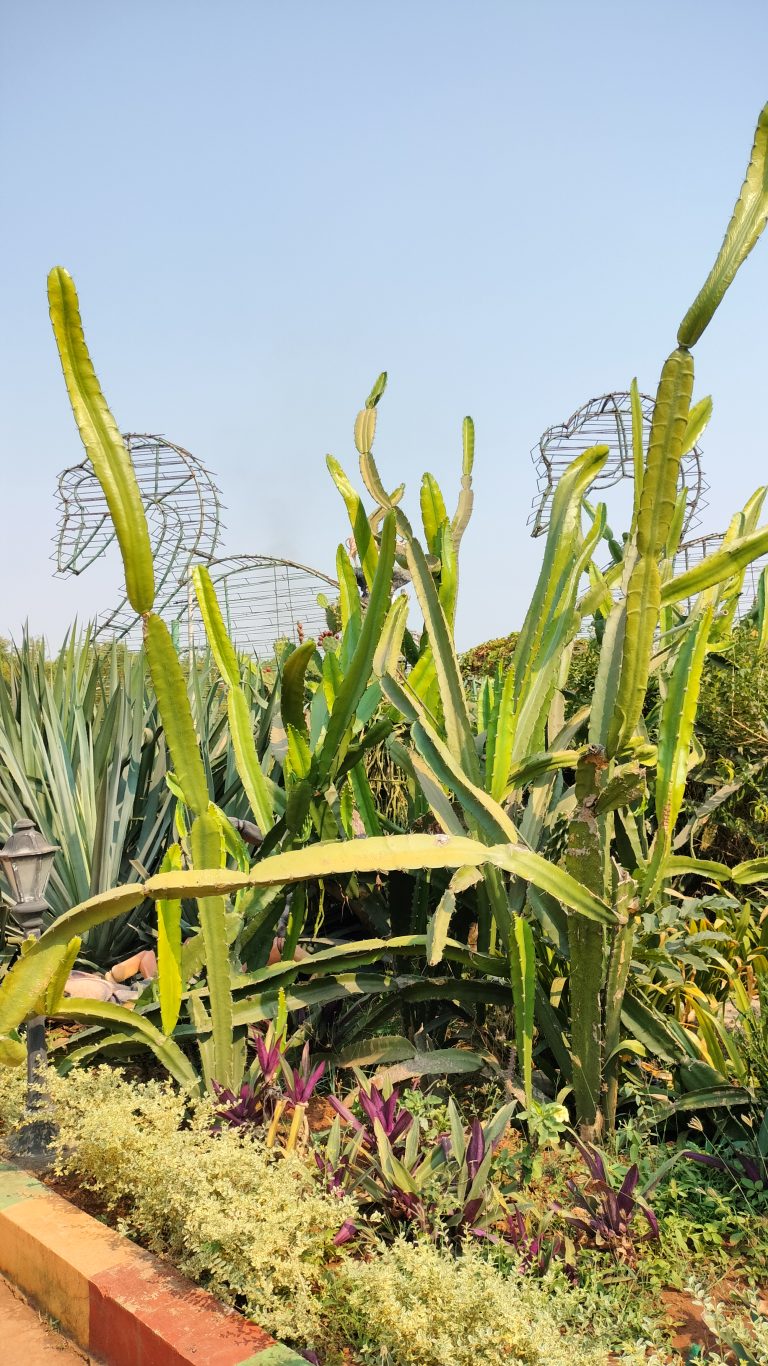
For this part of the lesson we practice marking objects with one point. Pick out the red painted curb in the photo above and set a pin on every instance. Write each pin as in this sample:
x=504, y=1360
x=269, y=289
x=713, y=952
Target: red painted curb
x=119, y=1303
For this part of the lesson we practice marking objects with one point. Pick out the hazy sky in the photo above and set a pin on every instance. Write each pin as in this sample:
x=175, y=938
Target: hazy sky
x=508, y=206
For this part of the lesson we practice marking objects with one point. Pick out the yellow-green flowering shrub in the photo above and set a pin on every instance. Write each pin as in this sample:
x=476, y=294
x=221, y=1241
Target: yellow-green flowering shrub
x=415, y=1305
x=13, y=1089
x=252, y=1226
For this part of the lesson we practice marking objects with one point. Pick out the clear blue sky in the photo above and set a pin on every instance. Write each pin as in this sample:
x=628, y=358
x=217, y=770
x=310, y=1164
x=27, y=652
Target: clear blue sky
x=508, y=206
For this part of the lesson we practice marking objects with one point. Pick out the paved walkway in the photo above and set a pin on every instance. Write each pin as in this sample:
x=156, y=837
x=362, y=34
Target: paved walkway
x=26, y=1338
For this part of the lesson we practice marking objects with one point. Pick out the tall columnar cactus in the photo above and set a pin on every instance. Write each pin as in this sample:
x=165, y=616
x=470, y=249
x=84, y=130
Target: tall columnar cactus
x=519, y=728
x=631, y=637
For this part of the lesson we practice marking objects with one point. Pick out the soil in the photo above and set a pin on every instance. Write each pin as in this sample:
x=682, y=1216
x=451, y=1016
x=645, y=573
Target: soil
x=90, y=1202
x=689, y=1325
x=320, y=1114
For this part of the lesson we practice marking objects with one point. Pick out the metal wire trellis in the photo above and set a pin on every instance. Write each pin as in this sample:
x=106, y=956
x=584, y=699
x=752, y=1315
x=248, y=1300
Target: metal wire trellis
x=605, y=420
x=183, y=508
x=694, y=551
x=262, y=599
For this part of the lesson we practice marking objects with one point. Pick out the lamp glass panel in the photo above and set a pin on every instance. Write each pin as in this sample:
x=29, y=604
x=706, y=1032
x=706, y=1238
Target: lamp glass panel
x=28, y=875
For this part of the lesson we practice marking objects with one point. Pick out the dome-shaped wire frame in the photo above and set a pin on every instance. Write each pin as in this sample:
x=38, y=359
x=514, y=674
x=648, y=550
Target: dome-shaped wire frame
x=692, y=552
x=263, y=600
x=183, y=509
x=606, y=420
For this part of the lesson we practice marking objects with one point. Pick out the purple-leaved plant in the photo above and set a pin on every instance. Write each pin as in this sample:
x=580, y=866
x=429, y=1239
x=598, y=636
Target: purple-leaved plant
x=738, y=1165
x=269, y=1052
x=393, y=1117
x=300, y=1082
x=239, y=1110
x=604, y=1217
x=535, y=1252
x=256, y=1102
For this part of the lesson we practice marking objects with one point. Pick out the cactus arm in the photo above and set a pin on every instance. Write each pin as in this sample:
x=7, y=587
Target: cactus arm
x=747, y=223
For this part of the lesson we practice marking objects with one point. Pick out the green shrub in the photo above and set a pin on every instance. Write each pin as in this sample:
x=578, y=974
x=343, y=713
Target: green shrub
x=482, y=661
x=415, y=1305
x=731, y=725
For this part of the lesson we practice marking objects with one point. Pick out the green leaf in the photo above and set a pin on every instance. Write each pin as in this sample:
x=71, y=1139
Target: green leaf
x=365, y=430
x=466, y=497
x=377, y=390
x=561, y=885
x=523, y=969
x=299, y=753
x=13, y=1052
x=503, y=736
x=435, y=794
x=175, y=712
x=638, y=452
x=674, y=745
x=487, y=816
x=55, y=992
x=215, y=630
x=650, y=1028
x=387, y=853
x=365, y=543
x=247, y=760
x=616, y=977
x=762, y=611
x=433, y=512
x=720, y=565
x=746, y=225
x=448, y=588
x=677, y=865
x=97, y=910
x=438, y=927
x=364, y=800
x=25, y=984
x=292, y=686
x=457, y=725
x=657, y=506
x=205, y=840
x=132, y=1022
x=698, y=420
x=193, y=949
x=442, y=1062
x=356, y=678
x=584, y=858
x=169, y=981
x=481, y=810
x=552, y=618
x=711, y=1098
x=386, y=656
x=753, y=870
x=103, y=443
x=388, y=1048
x=349, y=605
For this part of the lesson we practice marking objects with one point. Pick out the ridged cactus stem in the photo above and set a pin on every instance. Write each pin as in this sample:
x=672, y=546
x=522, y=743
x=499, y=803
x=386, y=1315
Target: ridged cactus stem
x=585, y=860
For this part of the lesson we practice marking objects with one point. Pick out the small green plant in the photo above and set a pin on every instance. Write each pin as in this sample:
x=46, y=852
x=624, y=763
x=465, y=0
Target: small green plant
x=547, y=1121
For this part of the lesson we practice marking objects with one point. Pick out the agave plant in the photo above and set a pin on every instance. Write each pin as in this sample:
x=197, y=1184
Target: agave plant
x=82, y=755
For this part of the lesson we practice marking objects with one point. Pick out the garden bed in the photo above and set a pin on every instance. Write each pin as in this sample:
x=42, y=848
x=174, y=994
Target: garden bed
x=256, y=1229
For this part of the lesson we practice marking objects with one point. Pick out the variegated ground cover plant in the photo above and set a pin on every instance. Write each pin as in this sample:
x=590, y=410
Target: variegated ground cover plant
x=555, y=838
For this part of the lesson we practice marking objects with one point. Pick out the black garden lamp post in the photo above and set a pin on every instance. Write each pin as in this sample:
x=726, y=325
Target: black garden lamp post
x=27, y=860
